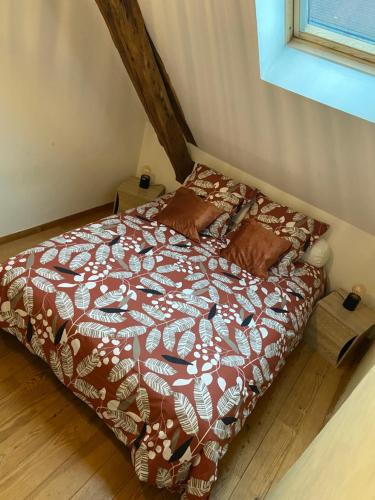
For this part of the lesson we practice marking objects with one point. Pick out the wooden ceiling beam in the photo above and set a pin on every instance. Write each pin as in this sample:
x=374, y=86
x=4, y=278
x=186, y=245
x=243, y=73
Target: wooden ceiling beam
x=172, y=96
x=146, y=70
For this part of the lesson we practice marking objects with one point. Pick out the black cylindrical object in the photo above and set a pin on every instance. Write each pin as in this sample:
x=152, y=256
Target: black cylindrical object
x=351, y=302
x=144, y=181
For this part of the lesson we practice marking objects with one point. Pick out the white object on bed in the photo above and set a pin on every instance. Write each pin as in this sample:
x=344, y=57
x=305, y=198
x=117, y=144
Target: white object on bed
x=318, y=255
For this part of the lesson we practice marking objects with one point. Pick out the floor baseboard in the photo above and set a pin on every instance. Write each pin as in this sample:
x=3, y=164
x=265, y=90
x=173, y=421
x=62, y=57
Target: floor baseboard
x=48, y=225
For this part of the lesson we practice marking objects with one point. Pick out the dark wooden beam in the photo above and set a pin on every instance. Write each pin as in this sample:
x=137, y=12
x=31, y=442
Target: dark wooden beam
x=126, y=25
x=172, y=96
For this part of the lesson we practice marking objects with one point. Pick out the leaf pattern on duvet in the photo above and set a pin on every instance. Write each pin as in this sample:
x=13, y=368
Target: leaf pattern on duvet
x=143, y=403
x=265, y=368
x=102, y=253
x=65, y=255
x=228, y=400
x=79, y=260
x=121, y=419
x=141, y=463
x=121, y=369
x=142, y=318
x=232, y=361
x=164, y=339
x=56, y=366
x=245, y=303
x=108, y=298
x=91, y=238
x=256, y=340
x=186, y=344
x=258, y=377
x=134, y=264
x=43, y=285
x=186, y=309
x=157, y=384
x=106, y=317
x=67, y=361
x=203, y=400
x=212, y=449
x=163, y=478
x=127, y=386
x=11, y=275
x=64, y=305
x=198, y=487
x=160, y=367
x=153, y=340
x=205, y=330
x=118, y=251
x=152, y=285
x=152, y=311
x=88, y=364
x=148, y=263
x=49, y=255
x=16, y=287
x=242, y=342
x=95, y=330
x=169, y=333
x=37, y=348
x=274, y=325
x=131, y=331
x=82, y=297
x=28, y=299
x=185, y=413
x=220, y=326
x=86, y=388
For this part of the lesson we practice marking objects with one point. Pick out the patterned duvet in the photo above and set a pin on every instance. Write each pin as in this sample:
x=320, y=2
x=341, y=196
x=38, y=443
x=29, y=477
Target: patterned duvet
x=170, y=345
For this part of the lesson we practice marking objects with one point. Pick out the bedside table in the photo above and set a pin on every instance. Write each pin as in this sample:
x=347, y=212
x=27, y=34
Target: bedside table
x=130, y=195
x=334, y=331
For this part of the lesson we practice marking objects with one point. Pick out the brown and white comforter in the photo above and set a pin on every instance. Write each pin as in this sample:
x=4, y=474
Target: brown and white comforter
x=171, y=345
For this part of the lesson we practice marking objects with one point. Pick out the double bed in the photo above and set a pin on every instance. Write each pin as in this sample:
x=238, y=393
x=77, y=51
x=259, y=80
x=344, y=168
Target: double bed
x=169, y=343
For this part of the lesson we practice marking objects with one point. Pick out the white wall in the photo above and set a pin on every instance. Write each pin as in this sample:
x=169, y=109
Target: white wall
x=320, y=155
x=70, y=122
x=353, y=250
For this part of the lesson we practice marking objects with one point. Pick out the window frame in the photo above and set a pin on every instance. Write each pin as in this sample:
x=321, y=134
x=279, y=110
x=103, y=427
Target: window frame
x=349, y=50
x=312, y=71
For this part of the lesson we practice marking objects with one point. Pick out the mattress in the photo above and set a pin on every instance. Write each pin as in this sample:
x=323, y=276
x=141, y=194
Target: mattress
x=168, y=343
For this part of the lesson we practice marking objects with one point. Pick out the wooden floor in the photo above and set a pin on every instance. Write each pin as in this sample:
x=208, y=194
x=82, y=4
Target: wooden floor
x=54, y=447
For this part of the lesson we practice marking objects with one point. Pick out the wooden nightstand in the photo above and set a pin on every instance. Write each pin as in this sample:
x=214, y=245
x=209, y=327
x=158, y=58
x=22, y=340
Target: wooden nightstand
x=130, y=195
x=334, y=331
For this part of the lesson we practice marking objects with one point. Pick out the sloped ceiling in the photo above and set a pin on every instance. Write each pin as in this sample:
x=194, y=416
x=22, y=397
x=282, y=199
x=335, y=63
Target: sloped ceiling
x=316, y=153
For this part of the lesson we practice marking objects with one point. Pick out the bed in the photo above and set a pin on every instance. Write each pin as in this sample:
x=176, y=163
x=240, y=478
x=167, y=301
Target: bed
x=170, y=344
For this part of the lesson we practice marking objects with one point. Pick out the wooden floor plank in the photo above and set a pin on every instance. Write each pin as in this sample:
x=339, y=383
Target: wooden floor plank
x=54, y=447
x=74, y=473
x=263, y=467
x=246, y=444
x=53, y=439
x=135, y=490
x=15, y=358
x=313, y=420
x=17, y=408
x=14, y=247
x=108, y=479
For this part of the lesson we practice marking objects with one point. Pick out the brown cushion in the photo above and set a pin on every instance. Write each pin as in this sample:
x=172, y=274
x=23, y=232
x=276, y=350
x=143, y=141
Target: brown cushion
x=255, y=248
x=224, y=192
x=294, y=226
x=188, y=214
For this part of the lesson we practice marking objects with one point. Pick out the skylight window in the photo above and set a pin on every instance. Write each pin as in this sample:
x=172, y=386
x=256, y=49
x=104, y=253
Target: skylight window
x=344, y=25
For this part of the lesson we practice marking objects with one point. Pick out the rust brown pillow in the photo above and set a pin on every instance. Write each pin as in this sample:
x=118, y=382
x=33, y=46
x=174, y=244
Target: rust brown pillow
x=226, y=193
x=301, y=230
x=255, y=248
x=188, y=214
